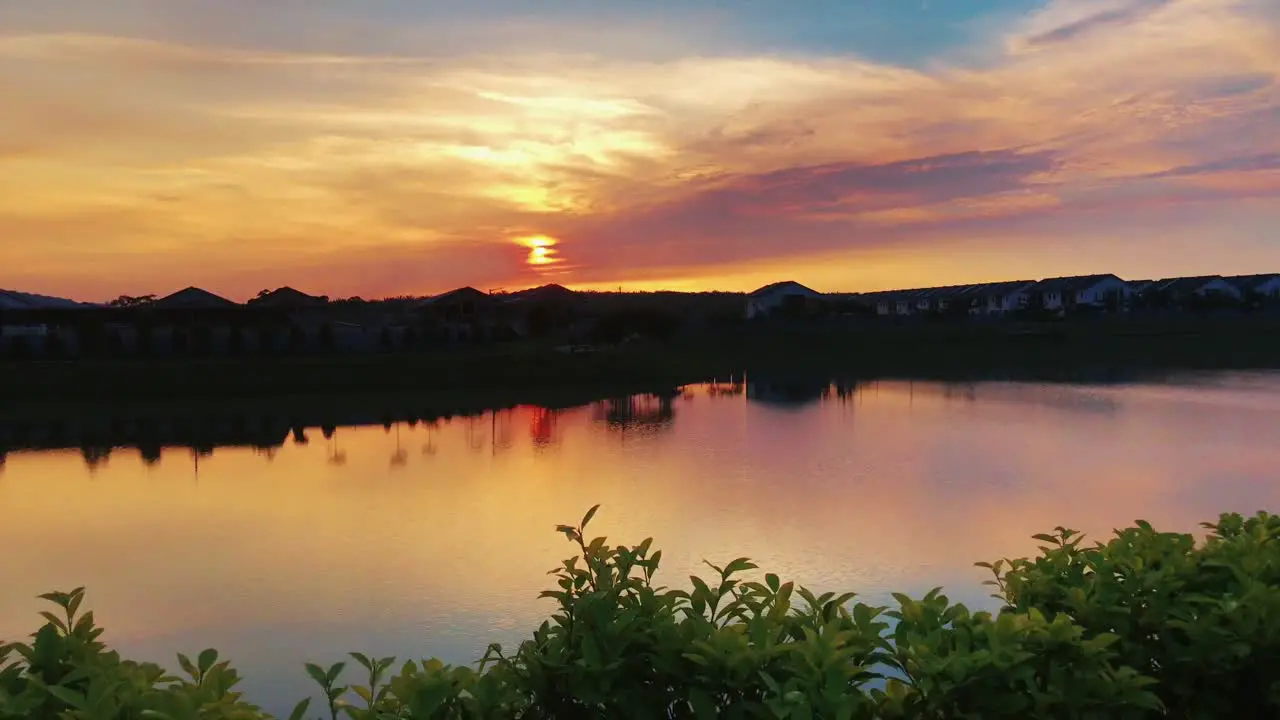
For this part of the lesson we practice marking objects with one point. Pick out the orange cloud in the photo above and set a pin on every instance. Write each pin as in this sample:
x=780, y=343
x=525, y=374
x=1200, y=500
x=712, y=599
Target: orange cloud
x=133, y=161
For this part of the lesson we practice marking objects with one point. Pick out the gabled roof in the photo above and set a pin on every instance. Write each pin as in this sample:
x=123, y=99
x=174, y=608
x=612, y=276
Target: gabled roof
x=1072, y=284
x=462, y=294
x=786, y=286
x=193, y=298
x=1248, y=283
x=288, y=297
x=1000, y=288
x=898, y=295
x=1186, y=285
x=544, y=292
x=14, y=300
x=944, y=292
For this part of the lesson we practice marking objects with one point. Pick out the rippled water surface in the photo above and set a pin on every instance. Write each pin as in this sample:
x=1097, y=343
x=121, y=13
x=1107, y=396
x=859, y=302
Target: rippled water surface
x=433, y=538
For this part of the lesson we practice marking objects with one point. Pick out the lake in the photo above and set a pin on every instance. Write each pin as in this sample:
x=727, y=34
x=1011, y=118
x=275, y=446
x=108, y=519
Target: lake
x=433, y=538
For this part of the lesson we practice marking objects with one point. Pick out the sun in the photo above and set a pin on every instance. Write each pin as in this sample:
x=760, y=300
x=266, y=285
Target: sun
x=541, y=249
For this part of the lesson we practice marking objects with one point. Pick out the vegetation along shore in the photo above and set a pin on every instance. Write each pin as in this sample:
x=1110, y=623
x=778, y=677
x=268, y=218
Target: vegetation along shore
x=1148, y=624
x=525, y=370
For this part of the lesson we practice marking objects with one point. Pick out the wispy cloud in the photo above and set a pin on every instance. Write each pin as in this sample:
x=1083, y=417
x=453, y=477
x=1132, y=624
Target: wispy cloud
x=1094, y=16
x=148, y=155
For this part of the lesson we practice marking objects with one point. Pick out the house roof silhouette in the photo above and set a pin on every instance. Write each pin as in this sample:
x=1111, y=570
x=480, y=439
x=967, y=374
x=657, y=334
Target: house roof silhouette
x=287, y=297
x=15, y=300
x=193, y=298
x=784, y=286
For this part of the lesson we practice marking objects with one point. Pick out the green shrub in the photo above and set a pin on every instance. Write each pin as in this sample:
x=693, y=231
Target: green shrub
x=1147, y=625
x=1203, y=621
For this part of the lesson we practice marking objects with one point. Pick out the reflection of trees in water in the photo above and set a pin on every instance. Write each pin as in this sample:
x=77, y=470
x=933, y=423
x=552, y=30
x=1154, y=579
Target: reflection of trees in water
x=95, y=456
x=476, y=433
x=150, y=453
x=841, y=391
x=960, y=391
x=429, y=447
x=787, y=393
x=400, y=457
x=502, y=436
x=337, y=456
x=266, y=433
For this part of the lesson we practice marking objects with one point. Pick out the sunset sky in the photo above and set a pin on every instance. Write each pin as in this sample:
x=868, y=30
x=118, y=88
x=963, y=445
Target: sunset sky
x=380, y=147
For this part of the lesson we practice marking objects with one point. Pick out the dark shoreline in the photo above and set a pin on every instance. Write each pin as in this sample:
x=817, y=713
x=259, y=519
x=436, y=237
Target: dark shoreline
x=525, y=373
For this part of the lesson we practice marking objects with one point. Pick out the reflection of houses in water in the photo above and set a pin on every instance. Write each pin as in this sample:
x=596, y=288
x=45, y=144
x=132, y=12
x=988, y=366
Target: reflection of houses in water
x=732, y=388
x=501, y=433
x=542, y=426
x=649, y=411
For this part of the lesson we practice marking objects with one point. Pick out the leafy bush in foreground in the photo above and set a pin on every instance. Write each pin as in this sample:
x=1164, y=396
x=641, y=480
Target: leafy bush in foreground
x=1147, y=625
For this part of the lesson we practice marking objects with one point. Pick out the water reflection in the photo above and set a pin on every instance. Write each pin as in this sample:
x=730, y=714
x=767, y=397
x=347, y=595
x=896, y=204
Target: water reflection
x=399, y=528
x=794, y=393
x=266, y=430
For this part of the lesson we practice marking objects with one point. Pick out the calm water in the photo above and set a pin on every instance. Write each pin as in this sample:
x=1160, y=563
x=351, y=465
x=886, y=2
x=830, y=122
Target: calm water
x=434, y=539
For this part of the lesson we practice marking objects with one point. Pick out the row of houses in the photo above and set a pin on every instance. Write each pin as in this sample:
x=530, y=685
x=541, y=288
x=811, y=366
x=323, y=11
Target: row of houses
x=289, y=318
x=197, y=321
x=1052, y=295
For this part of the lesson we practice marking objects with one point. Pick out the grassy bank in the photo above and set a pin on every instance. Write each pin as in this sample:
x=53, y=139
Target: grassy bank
x=1147, y=625
x=519, y=372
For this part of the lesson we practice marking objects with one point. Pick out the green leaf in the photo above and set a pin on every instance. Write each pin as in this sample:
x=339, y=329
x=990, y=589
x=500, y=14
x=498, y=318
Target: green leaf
x=77, y=597
x=54, y=620
x=332, y=675
x=185, y=663
x=363, y=660
x=68, y=696
x=300, y=710
x=60, y=599
x=737, y=566
x=704, y=707
x=428, y=698
x=84, y=624
x=772, y=581
x=206, y=660
x=317, y=673
x=587, y=518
